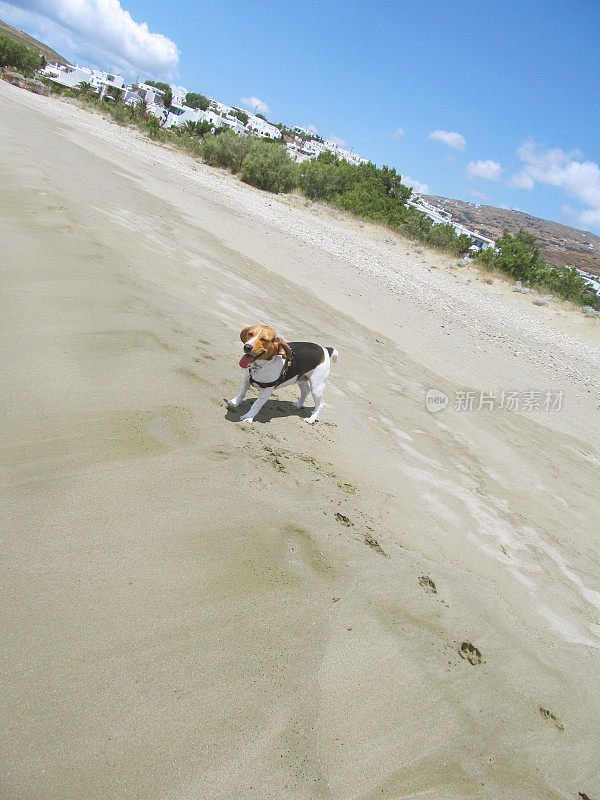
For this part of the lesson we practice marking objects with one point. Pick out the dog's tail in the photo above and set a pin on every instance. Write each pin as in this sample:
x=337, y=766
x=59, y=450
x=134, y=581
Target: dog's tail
x=333, y=353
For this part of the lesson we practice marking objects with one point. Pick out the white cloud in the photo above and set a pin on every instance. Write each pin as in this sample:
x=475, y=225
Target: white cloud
x=490, y=170
x=337, y=140
x=589, y=219
x=552, y=166
x=398, y=133
x=452, y=139
x=256, y=104
x=99, y=31
x=479, y=195
x=419, y=188
x=312, y=129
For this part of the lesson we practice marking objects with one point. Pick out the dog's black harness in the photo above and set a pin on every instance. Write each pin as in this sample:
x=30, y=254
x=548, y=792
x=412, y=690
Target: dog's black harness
x=305, y=356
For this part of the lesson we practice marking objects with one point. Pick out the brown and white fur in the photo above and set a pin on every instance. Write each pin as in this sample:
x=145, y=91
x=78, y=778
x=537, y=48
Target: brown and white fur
x=268, y=353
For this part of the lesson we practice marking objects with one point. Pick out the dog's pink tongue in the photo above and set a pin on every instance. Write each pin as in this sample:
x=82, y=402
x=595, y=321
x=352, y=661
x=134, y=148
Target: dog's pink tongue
x=245, y=361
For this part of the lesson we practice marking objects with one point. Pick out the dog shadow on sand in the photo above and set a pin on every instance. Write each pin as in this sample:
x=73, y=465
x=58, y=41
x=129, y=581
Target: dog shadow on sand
x=273, y=409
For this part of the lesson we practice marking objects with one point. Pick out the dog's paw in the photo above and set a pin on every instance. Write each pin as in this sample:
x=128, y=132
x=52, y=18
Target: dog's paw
x=309, y=420
x=231, y=403
x=246, y=418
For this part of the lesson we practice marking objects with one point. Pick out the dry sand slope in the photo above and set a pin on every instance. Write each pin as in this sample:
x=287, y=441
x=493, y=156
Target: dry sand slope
x=169, y=575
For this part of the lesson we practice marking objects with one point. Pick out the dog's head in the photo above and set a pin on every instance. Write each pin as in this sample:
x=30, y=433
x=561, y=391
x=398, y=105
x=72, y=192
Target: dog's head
x=261, y=343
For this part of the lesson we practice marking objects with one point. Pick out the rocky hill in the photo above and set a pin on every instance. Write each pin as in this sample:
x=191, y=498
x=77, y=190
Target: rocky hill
x=51, y=56
x=560, y=244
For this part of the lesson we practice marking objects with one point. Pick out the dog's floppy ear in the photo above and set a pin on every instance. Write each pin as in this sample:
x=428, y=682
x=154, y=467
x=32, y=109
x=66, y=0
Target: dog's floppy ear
x=245, y=334
x=283, y=349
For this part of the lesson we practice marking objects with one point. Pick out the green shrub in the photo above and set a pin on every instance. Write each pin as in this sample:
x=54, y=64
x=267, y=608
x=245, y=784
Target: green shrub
x=166, y=90
x=241, y=115
x=153, y=127
x=226, y=150
x=444, y=237
x=189, y=144
x=120, y=113
x=268, y=166
x=519, y=257
x=415, y=225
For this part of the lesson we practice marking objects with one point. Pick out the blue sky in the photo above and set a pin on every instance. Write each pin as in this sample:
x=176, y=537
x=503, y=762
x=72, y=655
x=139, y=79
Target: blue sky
x=491, y=101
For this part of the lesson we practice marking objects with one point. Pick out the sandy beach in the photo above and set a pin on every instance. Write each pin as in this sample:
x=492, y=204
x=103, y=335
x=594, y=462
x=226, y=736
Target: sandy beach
x=389, y=604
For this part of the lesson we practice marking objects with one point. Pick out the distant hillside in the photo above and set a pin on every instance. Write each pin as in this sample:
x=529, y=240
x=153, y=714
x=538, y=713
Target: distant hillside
x=51, y=56
x=560, y=244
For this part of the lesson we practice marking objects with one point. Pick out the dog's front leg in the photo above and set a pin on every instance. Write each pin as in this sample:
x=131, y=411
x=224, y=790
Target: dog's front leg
x=257, y=404
x=234, y=403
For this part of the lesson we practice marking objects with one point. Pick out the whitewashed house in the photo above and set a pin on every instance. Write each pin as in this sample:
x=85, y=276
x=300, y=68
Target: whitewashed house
x=354, y=158
x=234, y=124
x=150, y=94
x=154, y=99
x=179, y=115
x=261, y=127
x=66, y=75
x=131, y=97
x=213, y=117
x=101, y=81
x=298, y=153
x=314, y=147
x=179, y=96
x=593, y=281
x=220, y=108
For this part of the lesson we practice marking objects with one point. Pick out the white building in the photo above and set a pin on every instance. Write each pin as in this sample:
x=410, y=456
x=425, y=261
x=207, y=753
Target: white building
x=302, y=131
x=102, y=81
x=298, y=153
x=593, y=281
x=220, y=108
x=213, y=117
x=179, y=95
x=261, y=127
x=314, y=147
x=153, y=97
x=179, y=115
x=236, y=125
x=130, y=96
x=66, y=75
x=347, y=155
x=150, y=94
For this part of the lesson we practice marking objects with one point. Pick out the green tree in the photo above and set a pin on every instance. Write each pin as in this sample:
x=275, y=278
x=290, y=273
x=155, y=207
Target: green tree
x=19, y=56
x=141, y=109
x=195, y=100
x=85, y=89
x=241, y=115
x=114, y=92
x=202, y=128
x=153, y=127
x=189, y=127
x=166, y=90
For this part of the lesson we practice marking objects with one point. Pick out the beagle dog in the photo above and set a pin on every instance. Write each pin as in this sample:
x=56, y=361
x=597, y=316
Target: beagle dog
x=269, y=362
